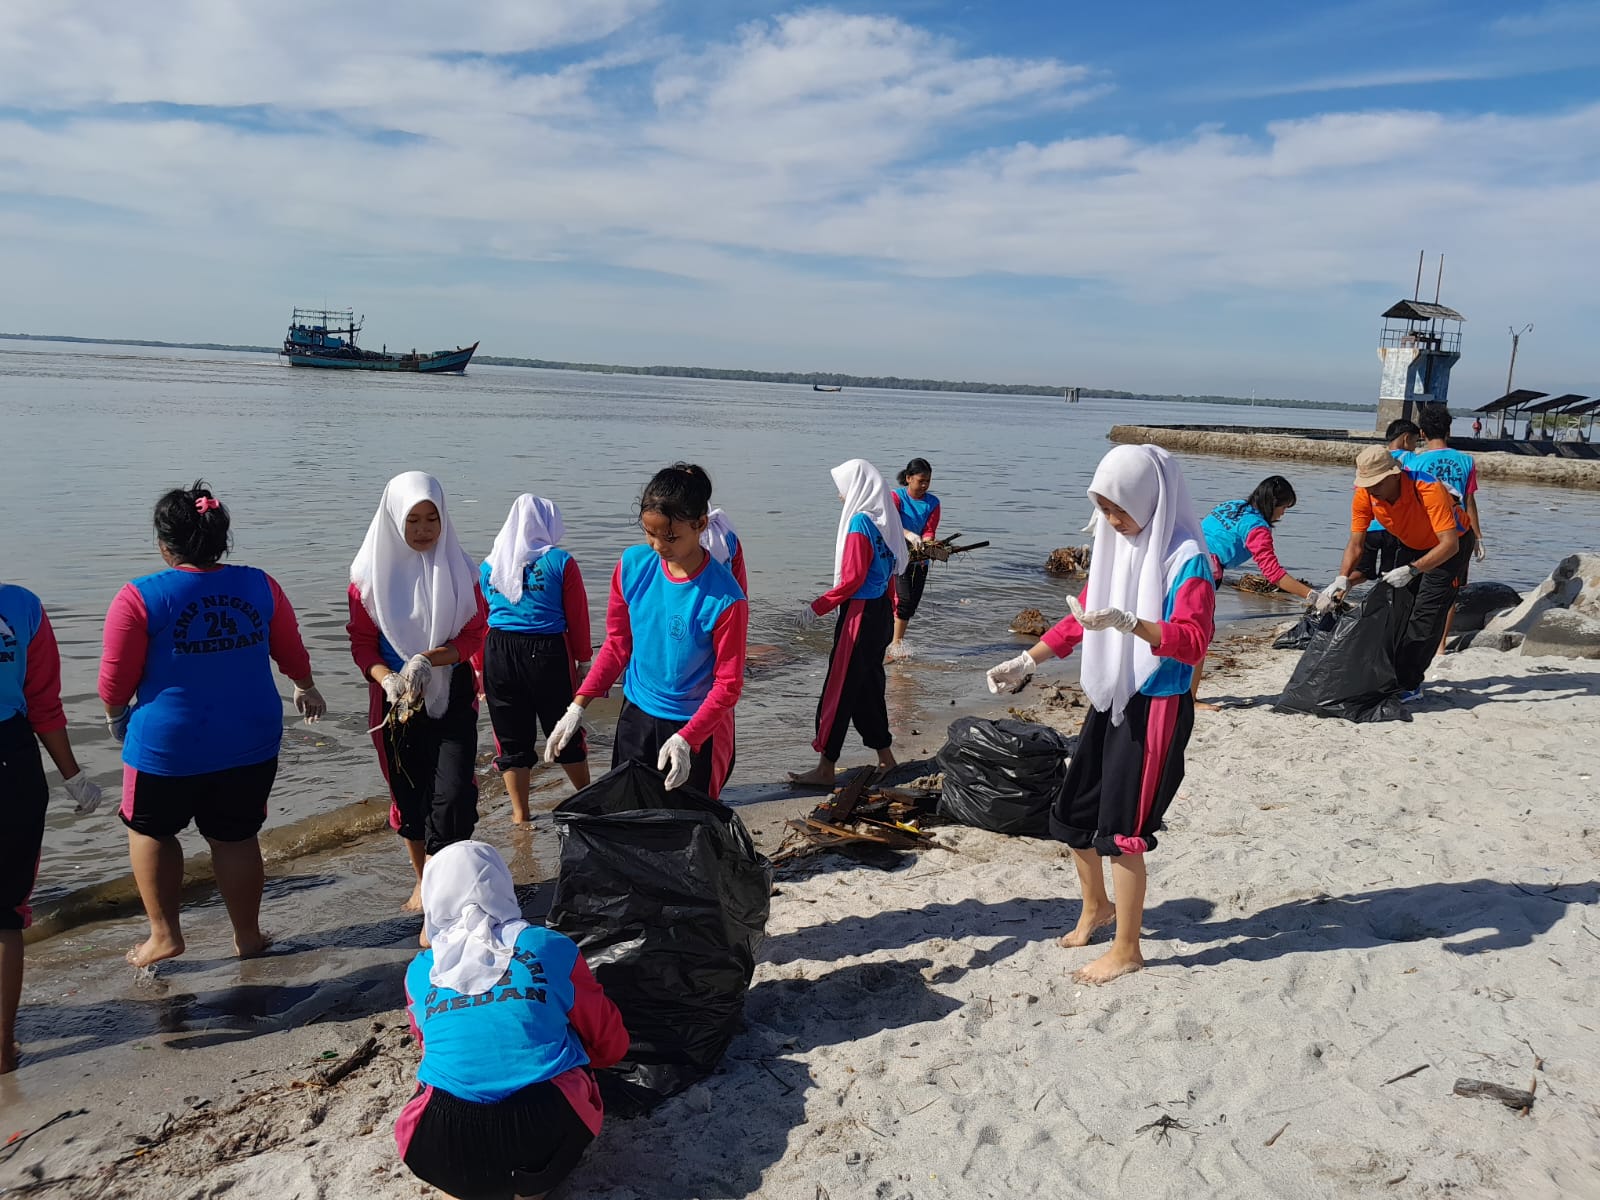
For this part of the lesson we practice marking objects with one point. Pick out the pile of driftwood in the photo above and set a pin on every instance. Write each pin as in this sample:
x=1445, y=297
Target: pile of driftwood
x=941, y=550
x=863, y=819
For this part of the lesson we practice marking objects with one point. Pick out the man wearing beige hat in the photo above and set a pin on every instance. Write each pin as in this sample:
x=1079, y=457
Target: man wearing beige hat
x=1436, y=541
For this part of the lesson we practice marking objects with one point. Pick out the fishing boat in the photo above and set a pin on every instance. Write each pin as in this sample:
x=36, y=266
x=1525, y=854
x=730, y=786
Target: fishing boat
x=817, y=387
x=322, y=337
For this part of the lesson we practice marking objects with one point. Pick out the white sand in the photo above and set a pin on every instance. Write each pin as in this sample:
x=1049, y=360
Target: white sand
x=1331, y=906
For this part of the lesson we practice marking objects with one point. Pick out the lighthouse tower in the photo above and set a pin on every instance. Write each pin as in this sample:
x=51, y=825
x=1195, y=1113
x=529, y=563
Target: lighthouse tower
x=1418, y=345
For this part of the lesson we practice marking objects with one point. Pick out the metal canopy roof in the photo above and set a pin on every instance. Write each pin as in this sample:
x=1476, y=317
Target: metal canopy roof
x=1421, y=310
x=1517, y=399
x=1579, y=410
x=1556, y=404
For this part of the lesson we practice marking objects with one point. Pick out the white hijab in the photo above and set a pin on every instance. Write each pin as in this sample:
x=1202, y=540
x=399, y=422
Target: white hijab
x=1134, y=573
x=864, y=491
x=419, y=601
x=715, y=538
x=471, y=914
x=532, y=527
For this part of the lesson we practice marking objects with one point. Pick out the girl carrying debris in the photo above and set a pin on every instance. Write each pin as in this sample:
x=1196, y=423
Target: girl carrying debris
x=1144, y=620
x=918, y=509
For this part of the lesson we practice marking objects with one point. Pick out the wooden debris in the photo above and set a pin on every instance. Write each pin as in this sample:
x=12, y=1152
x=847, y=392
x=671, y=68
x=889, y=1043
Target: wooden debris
x=1069, y=560
x=941, y=550
x=350, y=1063
x=1513, y=1098
x=1277, y=1135
x=1164, y=1125
x=1406, y=1075
x=860, y=815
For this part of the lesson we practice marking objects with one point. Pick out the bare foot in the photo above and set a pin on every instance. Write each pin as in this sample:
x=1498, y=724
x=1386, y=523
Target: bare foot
x=1089, y=920
x=1206, y=706
x=10, y=1058
x=816, y=777
x=519, y=814
x=151, y=951
x=1110, y=965
x=415, y=903
x=422, y=939
x=251, y=947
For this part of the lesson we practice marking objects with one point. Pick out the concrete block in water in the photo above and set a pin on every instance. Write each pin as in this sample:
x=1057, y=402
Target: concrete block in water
x=1564, y=633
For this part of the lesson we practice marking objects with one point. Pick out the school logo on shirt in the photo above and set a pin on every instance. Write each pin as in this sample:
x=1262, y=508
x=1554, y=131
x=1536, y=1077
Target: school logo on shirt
x=677, y=628
x=214, y=624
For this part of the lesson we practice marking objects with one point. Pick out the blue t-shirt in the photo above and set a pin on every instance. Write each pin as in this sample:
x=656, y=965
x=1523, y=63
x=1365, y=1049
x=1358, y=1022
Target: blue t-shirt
x=914, y=514
x=882, y=568
x=21, y=614
x=541, y=609
x=1227, y=526
x=483, y=1048
x=1171, y=677
x=673, y=663
x=1403, y=457
x=1453, y=468
x=207, y=700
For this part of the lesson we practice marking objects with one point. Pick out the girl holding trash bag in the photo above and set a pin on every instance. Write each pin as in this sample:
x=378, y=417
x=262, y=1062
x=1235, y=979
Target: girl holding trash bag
x=869, y=552
x=538, y=643
x=30, y=716
x=512, y=1025
x=918, y=509
x=194, y=645
x=676, y=624
x=1144, y=620
x=416, y=618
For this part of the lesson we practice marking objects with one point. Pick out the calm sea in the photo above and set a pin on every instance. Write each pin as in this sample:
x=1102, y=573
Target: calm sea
x=94, y=435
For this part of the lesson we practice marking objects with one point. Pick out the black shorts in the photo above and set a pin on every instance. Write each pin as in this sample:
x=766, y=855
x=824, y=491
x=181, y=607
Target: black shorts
x=523, y=1145
x=225, y=806
x=639, y=738
x=25, y=793
x=908, y=590
x=431, y=763
x=1123, y=777
x=527, y=684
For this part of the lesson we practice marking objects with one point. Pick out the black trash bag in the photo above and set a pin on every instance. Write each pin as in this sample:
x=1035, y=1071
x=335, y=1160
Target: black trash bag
x=666, y=896
x=1348, y=671
x=1002, y=775
x=1479, y=603
x=1299, y=637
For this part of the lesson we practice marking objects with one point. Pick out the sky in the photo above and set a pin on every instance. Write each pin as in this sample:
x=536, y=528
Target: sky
x=1163, y=196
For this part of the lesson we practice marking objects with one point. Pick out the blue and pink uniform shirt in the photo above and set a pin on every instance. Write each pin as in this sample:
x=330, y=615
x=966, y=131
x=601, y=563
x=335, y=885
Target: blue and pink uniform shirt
x=917, y=516
x=369, y=647
x=553, y=602
x=545, y=1019
x=1236, y=532
x=680, y=641
x=867, y=571
x=1455, y=469
x=196, y=648
x=30, y=662
x=1188, y=623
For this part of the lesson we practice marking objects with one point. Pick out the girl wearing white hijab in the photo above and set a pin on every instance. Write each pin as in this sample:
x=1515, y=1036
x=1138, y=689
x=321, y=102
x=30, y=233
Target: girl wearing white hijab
x=1144, y=620
x=869, y=552
x=416, y=615
x=721, y=539
x=538, y=644
x=512, y=1025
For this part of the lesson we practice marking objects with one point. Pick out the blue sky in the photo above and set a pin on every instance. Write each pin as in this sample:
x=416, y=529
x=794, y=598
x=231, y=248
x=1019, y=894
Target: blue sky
x=1171, y=196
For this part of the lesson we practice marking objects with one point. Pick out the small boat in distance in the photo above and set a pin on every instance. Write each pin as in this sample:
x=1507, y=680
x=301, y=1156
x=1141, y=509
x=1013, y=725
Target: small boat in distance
x=321, y=337
x=817, y=387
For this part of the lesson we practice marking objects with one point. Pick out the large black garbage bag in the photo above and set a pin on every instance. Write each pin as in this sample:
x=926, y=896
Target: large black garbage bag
x=1002, y=775
x=1348, y=671
x=1299, y=636
x=1479, y=603
x=666, y=896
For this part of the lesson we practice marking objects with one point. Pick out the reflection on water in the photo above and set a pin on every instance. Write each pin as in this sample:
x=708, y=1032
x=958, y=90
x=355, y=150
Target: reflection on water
x=300, y=457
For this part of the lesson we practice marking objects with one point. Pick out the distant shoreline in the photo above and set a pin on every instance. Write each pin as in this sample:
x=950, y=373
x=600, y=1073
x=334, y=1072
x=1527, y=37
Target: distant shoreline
x=826, y=378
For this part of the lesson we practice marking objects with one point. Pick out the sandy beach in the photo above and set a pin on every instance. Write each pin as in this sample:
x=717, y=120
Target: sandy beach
x=1343, y=920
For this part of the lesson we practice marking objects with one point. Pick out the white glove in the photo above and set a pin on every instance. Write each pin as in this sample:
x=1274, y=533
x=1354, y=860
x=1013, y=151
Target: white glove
x=674, y=760
x=566, y=729
x=1401, y=576
x=85, y=793
x=1329, y=595
x=1103, y=618
x=308, y=702
x=1010, y=675
x=415, y=674
x=807, y=618
x=117, y=726
x=394, y=686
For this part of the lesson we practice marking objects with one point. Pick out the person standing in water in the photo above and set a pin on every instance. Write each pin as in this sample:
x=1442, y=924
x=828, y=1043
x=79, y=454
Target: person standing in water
x=416, y=619
x=676, y=627
x=918, y=509
x=538, y=643
x=869, y=552
x=194, y=646
x=30, y=716
x=1144, y=621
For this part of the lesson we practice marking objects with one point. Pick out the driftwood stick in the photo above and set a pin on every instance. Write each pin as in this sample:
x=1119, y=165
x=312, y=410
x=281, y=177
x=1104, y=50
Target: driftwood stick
x=1512, y=1098
x=1277, y=1135
x=352, y=1062
x=1406, y=1075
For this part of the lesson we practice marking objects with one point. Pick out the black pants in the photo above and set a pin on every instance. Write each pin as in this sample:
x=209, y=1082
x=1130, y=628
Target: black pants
x=853, y=690
x=1382, y=552
x=527, y=684
x=24, y=795
x=1435, y=593
x=640, y=736
x=431, y=764
x=908, y=589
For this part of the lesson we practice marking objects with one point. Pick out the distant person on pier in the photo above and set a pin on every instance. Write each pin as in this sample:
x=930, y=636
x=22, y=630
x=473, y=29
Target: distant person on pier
x=30, y=716
x=1381, y=550
x=1237, y=531
x=1151, y=613
x=869, y=552
x=1436, y=542
x=676, y=629
x=191, y=648
x=538, y=644
x=1477, y=427
x=919, y=520
x=417, y=618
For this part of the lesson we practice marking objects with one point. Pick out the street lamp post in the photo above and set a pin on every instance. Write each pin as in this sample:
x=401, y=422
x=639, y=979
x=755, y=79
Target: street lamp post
x=1516, y=336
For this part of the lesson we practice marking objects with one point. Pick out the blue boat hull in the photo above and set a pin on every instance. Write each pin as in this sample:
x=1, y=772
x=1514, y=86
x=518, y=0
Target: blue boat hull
x=443, y=362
